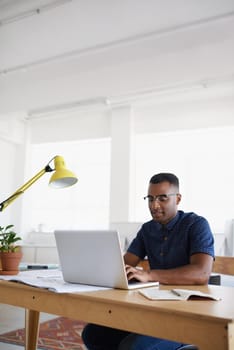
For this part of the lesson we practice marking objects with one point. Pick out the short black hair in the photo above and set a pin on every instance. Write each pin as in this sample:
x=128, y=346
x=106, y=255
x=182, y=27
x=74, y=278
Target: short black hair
x=161, y=177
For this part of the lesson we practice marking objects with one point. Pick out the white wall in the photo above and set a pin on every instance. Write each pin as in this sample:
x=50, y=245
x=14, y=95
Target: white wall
x=12, y=154
x=170, y=112
x=191, y=111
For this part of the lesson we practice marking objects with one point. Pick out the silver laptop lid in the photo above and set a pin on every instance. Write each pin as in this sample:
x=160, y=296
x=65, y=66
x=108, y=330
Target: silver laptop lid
x=91, y=257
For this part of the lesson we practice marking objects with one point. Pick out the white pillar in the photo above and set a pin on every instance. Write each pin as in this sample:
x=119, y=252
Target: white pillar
x=122, y=132
x=12, y=131
x=26, y=200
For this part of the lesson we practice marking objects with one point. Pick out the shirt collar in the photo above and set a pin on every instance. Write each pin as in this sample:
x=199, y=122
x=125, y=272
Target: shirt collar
x=170, y=224
x=173, y=221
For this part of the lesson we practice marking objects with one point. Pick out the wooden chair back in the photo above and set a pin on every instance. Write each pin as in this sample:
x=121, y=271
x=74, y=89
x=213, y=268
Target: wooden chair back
x=224, y=265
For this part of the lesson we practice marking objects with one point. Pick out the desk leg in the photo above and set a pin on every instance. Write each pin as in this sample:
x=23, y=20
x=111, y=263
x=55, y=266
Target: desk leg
x=31, y=329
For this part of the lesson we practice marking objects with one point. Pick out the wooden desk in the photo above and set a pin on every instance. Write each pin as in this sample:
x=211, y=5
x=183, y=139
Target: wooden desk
x=208, y=324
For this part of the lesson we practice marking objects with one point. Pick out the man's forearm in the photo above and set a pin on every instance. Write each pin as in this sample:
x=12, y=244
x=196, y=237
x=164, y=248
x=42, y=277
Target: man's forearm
x=187, y=275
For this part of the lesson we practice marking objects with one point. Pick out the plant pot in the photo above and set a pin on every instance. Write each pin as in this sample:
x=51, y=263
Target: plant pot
x=10, y=262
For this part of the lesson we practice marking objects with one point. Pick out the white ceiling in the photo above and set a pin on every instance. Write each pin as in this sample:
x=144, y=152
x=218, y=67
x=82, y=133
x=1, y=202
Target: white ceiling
x=62, y=51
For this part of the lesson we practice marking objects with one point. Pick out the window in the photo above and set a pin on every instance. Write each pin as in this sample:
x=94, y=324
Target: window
x=204, y=162
x=85, y=205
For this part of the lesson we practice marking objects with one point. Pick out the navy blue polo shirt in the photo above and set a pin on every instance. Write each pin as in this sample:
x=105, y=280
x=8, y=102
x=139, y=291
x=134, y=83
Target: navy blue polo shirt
x=171, y=245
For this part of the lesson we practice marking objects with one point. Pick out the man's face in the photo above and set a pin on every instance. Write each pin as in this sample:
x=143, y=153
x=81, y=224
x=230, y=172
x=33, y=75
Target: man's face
x=163, y=208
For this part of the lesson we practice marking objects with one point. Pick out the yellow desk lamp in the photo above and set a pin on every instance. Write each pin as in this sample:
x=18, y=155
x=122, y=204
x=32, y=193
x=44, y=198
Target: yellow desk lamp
x=61, y=178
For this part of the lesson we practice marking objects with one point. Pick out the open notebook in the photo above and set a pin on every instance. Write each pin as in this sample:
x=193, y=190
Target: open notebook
x=177, y=294
x=94, y=258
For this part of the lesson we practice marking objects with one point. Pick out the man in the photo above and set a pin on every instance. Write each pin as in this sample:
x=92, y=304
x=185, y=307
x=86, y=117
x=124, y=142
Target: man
x=180, y=250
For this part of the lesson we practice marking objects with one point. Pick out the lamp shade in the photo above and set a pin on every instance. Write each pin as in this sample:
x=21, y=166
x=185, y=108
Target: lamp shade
x=62, y=177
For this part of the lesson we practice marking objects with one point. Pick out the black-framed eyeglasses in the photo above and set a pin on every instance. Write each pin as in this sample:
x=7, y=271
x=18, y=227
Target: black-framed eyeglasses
x=160, y=197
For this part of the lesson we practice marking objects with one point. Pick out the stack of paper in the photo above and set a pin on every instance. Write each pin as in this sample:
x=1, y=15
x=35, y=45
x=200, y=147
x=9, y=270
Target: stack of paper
x=49, y=279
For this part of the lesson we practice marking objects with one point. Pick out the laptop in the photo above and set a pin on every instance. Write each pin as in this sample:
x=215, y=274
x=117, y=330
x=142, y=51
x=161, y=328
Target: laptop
x=93, y=258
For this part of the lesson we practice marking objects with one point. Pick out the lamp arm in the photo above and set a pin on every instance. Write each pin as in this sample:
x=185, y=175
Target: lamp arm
x=21, y=190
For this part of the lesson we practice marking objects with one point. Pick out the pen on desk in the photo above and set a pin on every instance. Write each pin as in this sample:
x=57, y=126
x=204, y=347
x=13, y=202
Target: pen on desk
x=37, y=267
x=176, y=293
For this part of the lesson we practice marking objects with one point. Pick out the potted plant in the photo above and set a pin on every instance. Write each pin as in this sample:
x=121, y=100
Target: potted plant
x=10, y=252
